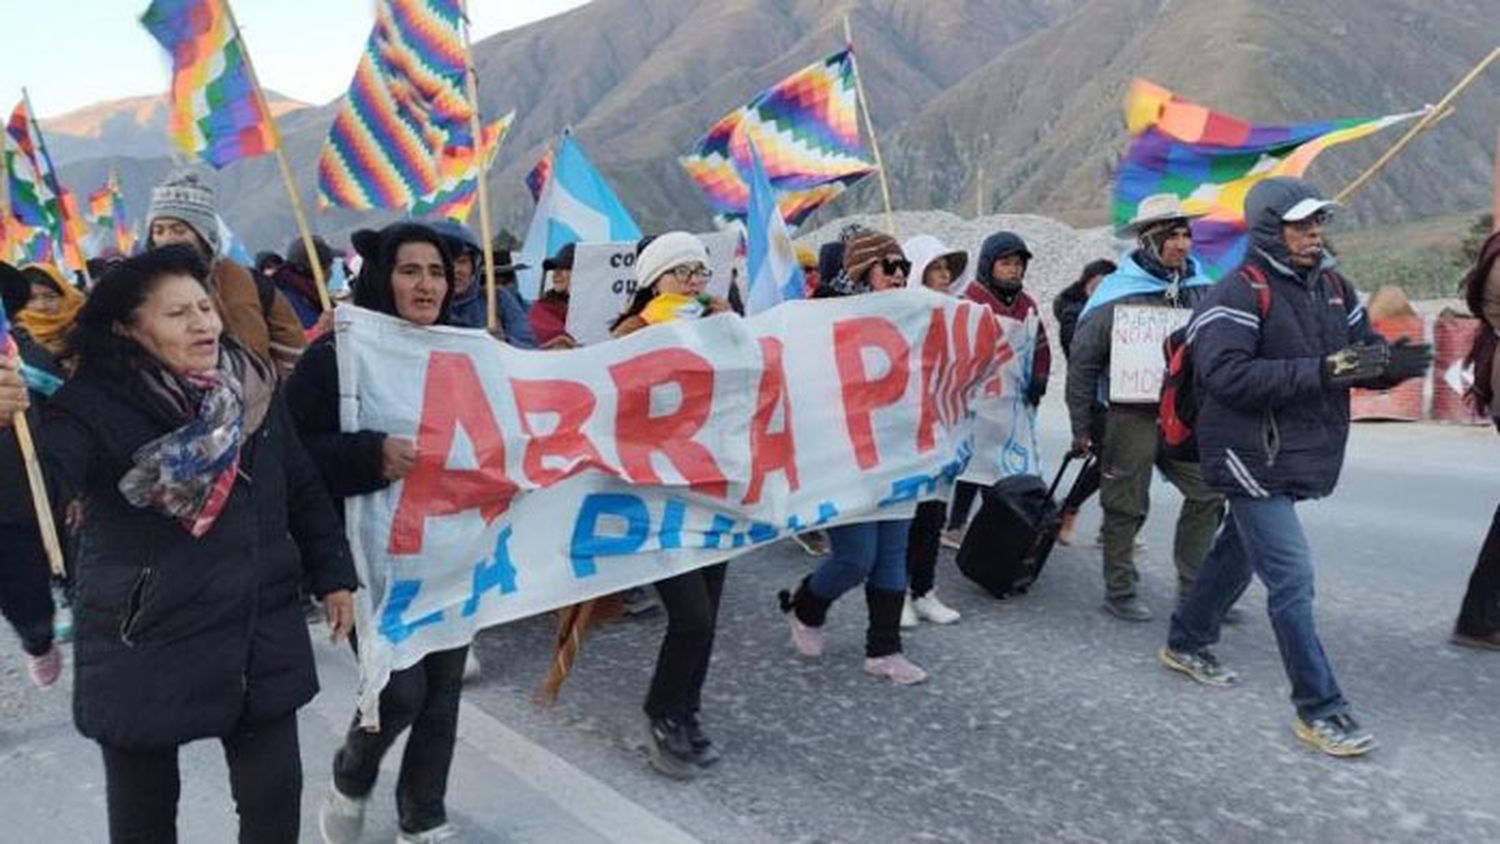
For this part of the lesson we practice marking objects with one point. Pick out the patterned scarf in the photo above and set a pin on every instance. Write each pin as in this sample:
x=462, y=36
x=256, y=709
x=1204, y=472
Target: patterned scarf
x=188, y=473
x=668, y=307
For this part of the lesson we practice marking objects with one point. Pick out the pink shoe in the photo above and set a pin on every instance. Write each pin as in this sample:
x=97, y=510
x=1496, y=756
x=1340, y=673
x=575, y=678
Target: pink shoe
x=896, y=668
x=808, y=641
x=44, y=669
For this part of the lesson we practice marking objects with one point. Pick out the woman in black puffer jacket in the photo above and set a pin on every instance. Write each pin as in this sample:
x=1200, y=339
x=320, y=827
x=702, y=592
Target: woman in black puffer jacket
x=202, y=516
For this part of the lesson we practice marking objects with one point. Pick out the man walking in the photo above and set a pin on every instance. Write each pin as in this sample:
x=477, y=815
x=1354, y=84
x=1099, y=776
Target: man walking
x=1275, y=348
x=1160, y=273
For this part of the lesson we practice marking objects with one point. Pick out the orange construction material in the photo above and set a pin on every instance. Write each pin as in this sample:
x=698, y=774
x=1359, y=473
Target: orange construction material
x=1453, y=334
x=1392, y=317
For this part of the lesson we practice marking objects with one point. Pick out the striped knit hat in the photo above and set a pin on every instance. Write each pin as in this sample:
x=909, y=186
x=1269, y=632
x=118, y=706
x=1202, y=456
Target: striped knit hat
x=865, y=249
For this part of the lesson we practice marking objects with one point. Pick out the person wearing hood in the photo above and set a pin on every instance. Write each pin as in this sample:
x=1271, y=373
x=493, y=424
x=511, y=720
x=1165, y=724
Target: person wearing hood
x=999, y=278
x=52, y=309
x=1276, y=348
x=1160, y=272
x=470, y=304
x=255, y=314
x=204, y=521
x=406, y=273
x=937, y=267
x=25, y=597
x=872, y=554
x=549, y=314
x=1478, y=623
x=294, y=279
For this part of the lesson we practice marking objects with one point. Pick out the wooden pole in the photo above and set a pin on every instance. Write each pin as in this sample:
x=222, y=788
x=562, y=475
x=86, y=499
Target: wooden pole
x=40, y=503
x=492, y=316
x=1495, y=204
x=1433, y=115
x=281, y=162
x=979, y=193
x=859, y=90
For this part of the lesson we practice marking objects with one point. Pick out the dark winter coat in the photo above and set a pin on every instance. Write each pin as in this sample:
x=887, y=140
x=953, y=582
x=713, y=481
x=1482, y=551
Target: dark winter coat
x=1093, y=337
x=179, y=638
x=1066, y=309
x=349, y=464
x=15, y=491
x=1267, y=422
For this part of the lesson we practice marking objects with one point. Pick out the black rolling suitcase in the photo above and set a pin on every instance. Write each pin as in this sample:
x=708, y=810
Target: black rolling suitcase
x=1011, y=536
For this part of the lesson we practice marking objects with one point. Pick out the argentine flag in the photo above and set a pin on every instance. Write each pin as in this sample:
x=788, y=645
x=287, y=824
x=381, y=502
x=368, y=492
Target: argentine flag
x=576, y=206
x=770, y=259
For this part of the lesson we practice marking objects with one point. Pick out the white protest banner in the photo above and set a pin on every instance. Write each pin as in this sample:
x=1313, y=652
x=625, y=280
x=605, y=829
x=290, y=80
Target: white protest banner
x=602, y=284
x=721, y=247
x=1136, y=361
x=543, y=479
x=1004, y=434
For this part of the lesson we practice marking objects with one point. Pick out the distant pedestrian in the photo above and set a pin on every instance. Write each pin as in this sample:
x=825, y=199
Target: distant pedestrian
x=1479, y=620
x=1067, y=307
x=549, y=314
x=1276, y=348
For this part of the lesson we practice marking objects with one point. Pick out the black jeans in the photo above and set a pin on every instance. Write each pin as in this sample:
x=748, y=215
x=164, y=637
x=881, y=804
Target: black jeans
x=265, y=777
x=963, y=502
x=922, y=545
x=692, y=604
x=25, y=587
x=425, y=698
x=1480, y=615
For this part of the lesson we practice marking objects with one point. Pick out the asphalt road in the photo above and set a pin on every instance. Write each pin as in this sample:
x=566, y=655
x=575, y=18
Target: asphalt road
x=1045, y=720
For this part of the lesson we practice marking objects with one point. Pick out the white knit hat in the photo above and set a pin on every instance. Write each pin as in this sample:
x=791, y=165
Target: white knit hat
x=670, y=250
x=184, y=196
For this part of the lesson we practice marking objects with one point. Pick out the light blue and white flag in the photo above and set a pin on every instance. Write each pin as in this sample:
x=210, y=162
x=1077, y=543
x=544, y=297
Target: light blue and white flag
x=576, y=206
x=232, y=247
x=770, y=259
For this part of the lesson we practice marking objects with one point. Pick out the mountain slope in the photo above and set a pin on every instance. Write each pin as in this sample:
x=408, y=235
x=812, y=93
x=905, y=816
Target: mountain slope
x=1029, y=90
x=131, y=127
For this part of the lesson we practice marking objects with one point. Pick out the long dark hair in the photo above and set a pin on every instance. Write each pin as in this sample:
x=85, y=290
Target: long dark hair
x=1483, y=353
x=95, y=341
x=378, y=249
x=1099, y=266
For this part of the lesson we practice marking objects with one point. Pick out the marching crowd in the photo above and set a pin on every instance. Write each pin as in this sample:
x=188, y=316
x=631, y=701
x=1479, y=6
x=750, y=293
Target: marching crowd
x=185, y=412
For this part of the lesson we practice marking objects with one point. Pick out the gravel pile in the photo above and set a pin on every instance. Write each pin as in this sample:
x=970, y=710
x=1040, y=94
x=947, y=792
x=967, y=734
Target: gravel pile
x=1060, y=250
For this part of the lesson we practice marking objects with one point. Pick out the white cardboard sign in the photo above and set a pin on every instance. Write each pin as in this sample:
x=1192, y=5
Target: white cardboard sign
x=1136, y=361
x=603, y=282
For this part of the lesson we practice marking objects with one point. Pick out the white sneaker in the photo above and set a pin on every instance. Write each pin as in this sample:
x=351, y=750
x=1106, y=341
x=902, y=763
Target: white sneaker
x=446, y=832
x=896, y=668
x=953, y=538
x=341, y=819
x=909, y=617
x=929, y=608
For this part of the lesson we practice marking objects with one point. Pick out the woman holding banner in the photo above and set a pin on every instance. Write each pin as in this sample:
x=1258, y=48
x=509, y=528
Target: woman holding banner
x=673, y=270
x=872, y=553
x=406, y=273
x=203, y=519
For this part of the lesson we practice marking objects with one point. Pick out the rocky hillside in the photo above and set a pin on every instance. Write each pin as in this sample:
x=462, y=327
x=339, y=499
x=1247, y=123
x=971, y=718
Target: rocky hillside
x=1027, y=90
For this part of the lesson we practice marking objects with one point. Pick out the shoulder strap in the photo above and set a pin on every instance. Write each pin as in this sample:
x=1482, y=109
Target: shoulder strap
x=1262, y=287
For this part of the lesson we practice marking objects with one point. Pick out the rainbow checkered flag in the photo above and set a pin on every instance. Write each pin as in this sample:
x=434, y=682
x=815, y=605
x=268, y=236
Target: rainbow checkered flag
x=454, y=199
x=407, y=100
x=1211, y=160
x=216, y=115
x=806, y=133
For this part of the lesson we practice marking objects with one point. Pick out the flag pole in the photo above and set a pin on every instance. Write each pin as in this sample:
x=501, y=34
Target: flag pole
x=1495, y=206
x=492, y=317
x=979, y=193
x=1433, y=115
x=57, y=188
x=39, y=500
x=859, y=89
x=281, y=162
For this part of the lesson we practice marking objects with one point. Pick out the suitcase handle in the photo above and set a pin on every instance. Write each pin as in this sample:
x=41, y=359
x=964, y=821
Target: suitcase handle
x=1061, y=470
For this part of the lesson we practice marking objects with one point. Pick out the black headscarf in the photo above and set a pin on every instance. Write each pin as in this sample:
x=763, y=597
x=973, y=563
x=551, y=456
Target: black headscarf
x=372, y=289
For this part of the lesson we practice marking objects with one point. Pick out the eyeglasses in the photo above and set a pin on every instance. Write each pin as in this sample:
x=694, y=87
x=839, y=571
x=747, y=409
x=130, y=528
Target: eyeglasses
x=684, y=272
x=895, y=266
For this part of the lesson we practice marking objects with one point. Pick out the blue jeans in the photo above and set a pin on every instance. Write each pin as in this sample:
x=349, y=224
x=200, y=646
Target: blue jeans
x=1263, y=536
x=872, y=553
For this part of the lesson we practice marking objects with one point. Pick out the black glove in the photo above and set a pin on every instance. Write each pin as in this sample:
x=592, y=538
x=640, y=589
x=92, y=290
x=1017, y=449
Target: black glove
x=1408, y=360
x=1034, y=392
x=1354, y=364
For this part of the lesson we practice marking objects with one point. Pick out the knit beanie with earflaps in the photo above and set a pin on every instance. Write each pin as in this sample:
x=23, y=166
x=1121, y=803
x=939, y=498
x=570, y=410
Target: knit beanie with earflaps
x=184, y=197
x=865, y=249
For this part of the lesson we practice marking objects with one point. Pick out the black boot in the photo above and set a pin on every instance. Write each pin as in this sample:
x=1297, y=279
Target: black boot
x=883, y=637
x=810, y=609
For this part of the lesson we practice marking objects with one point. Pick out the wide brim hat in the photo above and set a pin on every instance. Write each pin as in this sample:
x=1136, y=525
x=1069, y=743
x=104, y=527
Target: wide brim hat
x=563, y=260
x=1156, y=209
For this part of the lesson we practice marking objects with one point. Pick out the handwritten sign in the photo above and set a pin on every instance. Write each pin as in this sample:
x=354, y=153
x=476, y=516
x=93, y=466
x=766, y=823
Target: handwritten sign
x=1136, y=361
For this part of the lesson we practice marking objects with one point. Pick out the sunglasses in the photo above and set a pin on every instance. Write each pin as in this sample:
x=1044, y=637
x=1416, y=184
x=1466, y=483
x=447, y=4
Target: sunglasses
x=895, y=266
